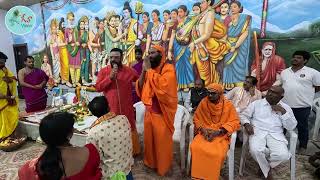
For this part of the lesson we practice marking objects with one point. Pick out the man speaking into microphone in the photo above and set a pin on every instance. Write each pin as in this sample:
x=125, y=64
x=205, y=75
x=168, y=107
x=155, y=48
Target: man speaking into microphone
x=115, y=81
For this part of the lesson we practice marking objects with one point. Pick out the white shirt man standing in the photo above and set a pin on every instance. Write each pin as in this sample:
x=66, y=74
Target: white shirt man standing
x=300, y=84
x=264, y=121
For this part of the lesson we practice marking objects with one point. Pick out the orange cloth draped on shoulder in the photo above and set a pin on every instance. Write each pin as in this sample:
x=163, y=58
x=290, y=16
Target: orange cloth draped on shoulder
x=159, y=95
x=208, y=157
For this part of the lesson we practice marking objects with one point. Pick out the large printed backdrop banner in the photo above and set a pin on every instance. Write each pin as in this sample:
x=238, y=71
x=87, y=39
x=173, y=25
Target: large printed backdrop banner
x=77, y=35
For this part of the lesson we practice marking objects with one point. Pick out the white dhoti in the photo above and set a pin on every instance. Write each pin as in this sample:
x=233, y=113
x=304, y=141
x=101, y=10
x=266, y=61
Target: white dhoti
x=268, y=151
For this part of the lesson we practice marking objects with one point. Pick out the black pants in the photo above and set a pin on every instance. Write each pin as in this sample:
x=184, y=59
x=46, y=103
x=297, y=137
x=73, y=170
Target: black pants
x=301, y=115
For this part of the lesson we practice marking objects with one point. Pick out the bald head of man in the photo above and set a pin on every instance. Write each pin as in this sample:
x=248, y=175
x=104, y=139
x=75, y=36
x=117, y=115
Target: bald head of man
x=274, y=95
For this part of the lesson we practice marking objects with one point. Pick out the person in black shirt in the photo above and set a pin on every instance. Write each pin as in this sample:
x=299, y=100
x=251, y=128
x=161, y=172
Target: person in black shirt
x=198, y=93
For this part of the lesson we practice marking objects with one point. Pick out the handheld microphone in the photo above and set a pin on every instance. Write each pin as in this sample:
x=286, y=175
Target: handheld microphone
x=115, y=67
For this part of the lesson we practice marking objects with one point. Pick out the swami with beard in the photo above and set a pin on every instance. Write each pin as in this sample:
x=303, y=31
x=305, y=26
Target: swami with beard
x=157, y=87
x=215, y=120
x=115, y=81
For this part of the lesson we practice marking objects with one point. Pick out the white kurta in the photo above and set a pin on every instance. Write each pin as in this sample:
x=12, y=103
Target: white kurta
x=242, y=98
x=112, y=138
x=268, y=145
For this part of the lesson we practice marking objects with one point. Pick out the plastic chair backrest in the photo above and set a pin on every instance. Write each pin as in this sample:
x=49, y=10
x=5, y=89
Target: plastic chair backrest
x=181, y=115
x=140, y=109
x=180, y=112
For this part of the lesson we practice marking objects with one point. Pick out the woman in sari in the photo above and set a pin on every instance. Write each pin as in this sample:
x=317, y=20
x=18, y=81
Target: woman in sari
x=179, y=41
x=168, y=29
x=223, y=16
x=208, y=46
x=144, y=28
x=33, y=82
x=84, y=50
x=54, y=49
x=111, y=34
x=223, y=13
x=154, y=34
x=60, y=160
x=63, y=52
x=8, y=100
x=236, y=62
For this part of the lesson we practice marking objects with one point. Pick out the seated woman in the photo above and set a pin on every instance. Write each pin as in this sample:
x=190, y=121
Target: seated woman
x=61, y=160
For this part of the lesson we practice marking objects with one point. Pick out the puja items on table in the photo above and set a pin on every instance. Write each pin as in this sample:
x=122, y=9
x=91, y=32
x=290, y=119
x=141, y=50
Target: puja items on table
x=80, y=110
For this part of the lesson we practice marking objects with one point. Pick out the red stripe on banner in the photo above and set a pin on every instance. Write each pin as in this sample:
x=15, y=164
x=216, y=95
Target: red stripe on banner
x=264, y=19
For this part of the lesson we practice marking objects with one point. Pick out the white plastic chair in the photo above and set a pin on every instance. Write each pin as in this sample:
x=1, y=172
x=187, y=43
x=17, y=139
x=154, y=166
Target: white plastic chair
x=316, y=106
x=140, y=109
x=292, y=148
x=230, y=153
x=181, y=117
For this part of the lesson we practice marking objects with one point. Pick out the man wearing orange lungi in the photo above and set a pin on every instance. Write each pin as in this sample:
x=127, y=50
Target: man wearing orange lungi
x=157, y=87
x=215, y=120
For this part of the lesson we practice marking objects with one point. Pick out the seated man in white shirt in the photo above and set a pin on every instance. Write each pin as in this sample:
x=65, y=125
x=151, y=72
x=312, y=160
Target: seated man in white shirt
x=264, y=121
x=241, y=97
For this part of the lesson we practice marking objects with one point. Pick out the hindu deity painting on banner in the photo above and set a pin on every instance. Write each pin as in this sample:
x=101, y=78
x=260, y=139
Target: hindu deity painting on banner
x=205, y=39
